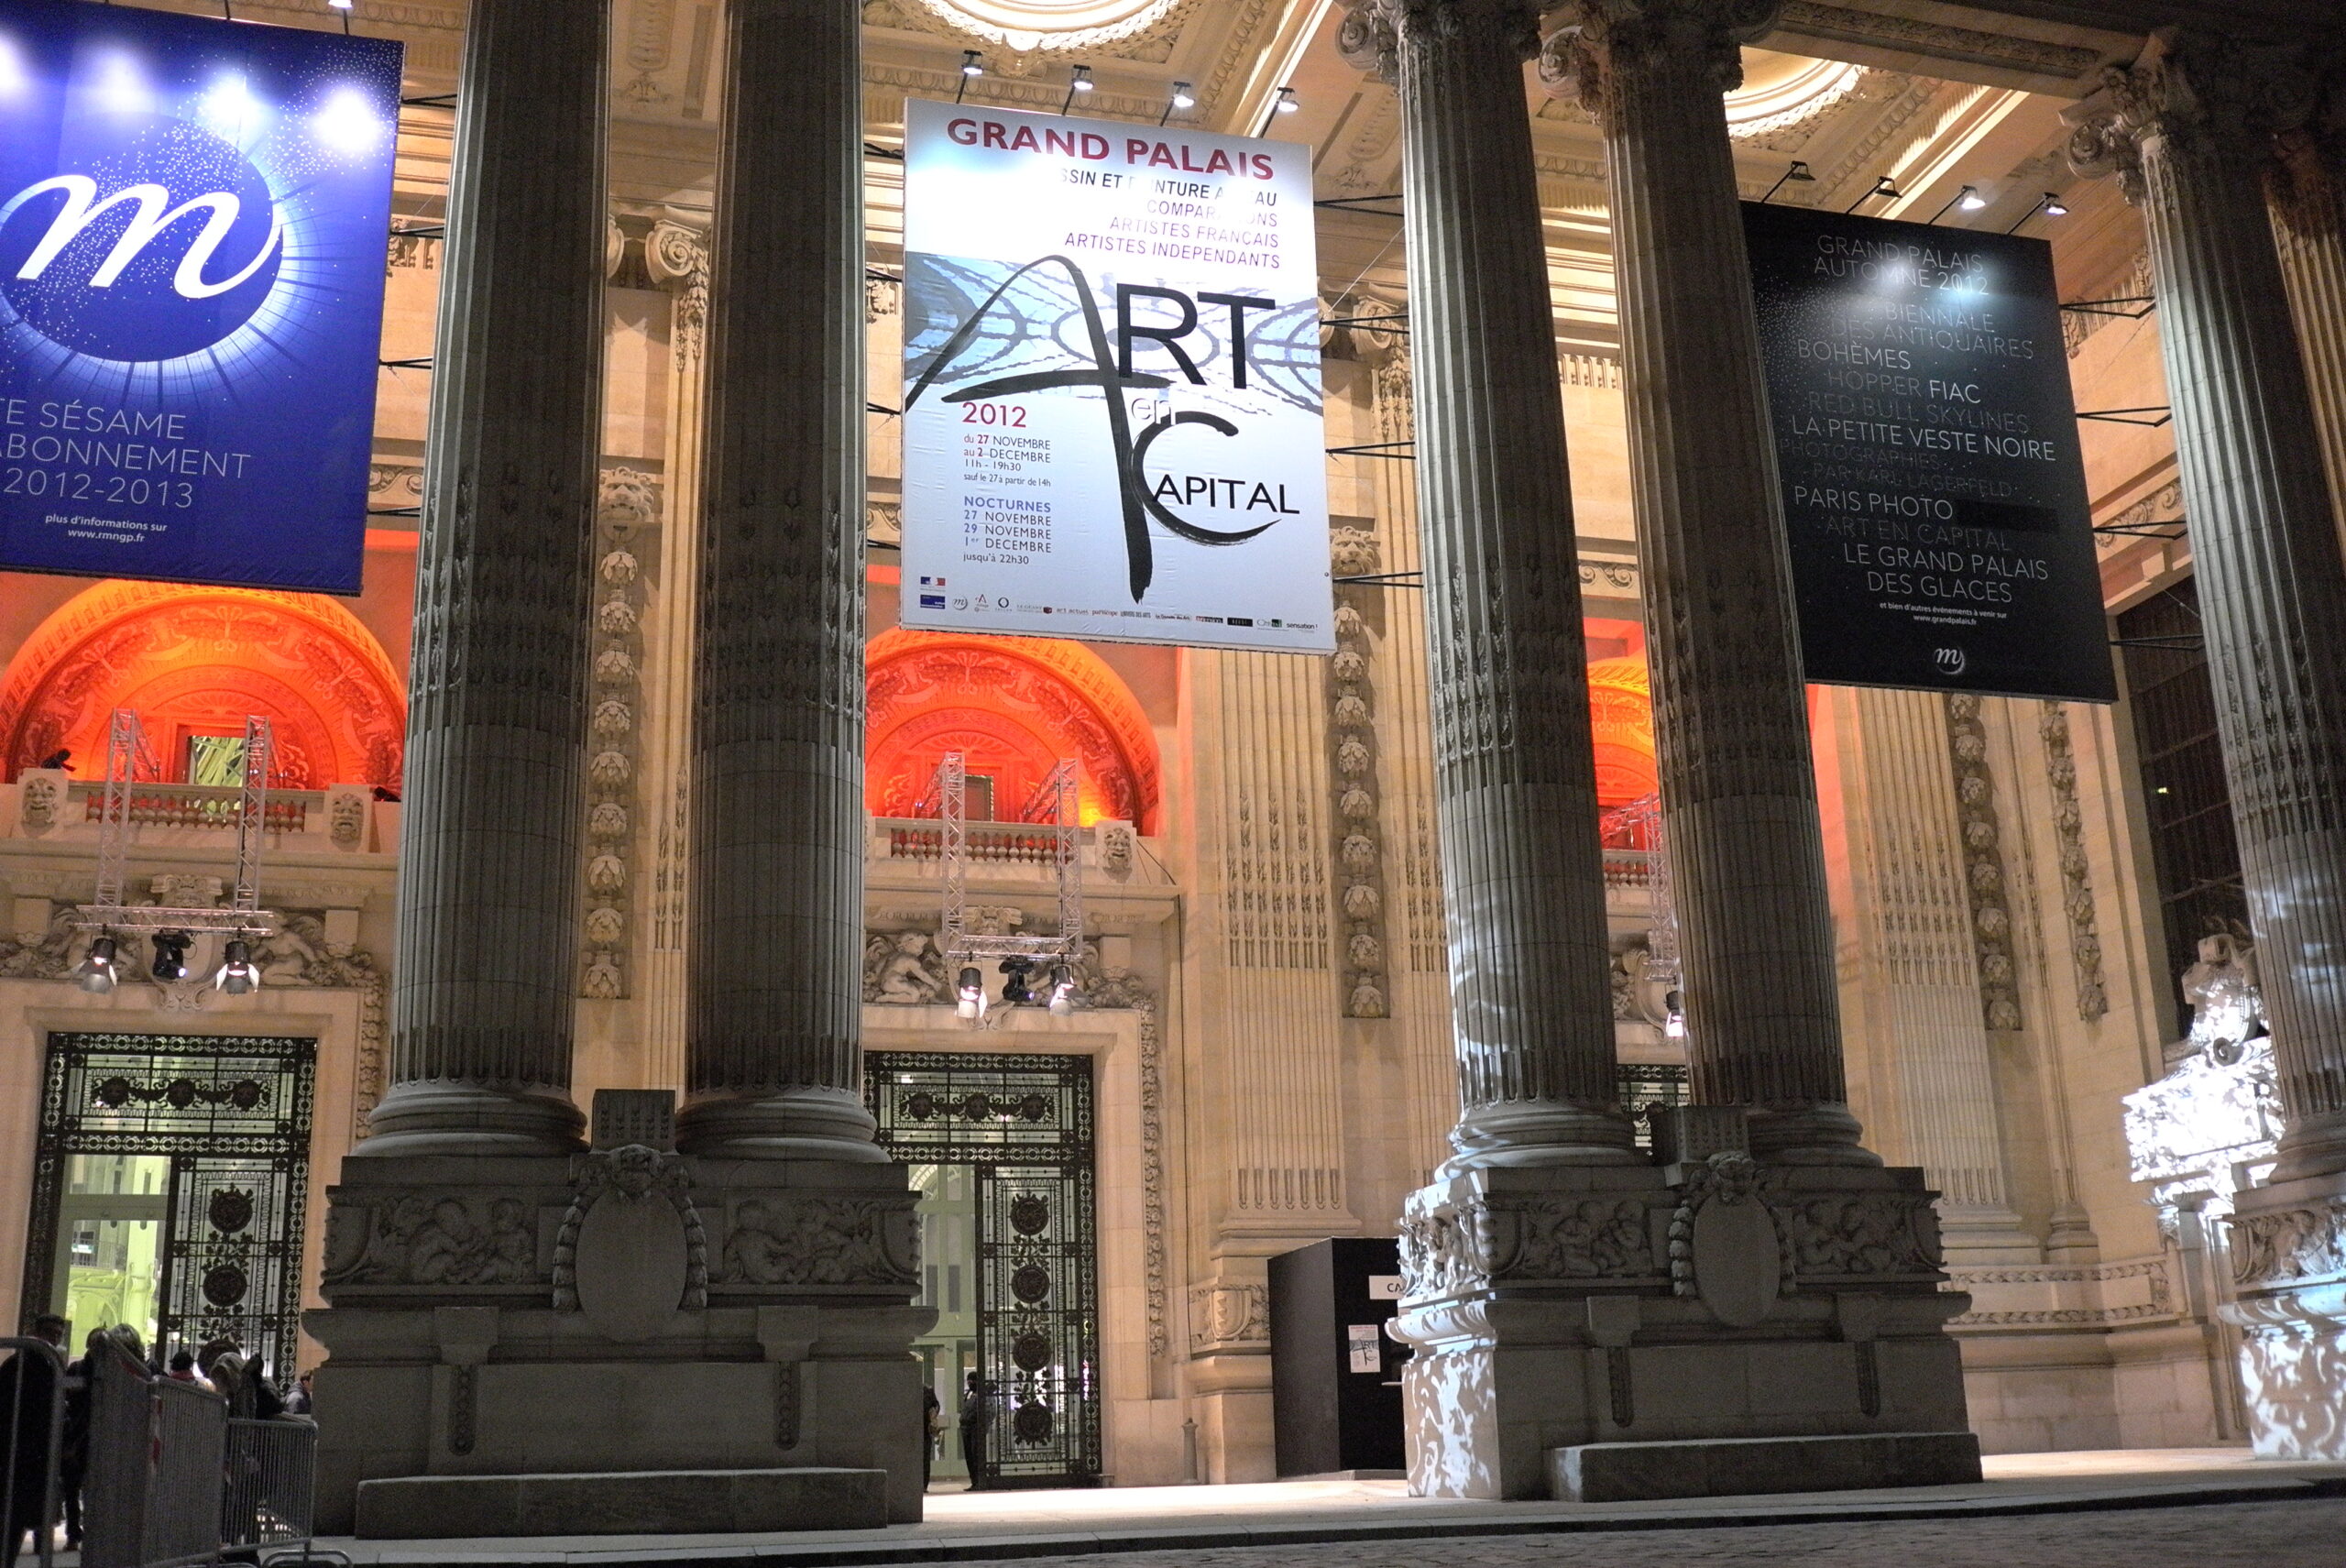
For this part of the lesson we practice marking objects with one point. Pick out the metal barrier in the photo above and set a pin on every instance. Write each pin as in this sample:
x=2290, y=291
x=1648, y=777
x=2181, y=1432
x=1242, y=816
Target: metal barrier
x=32, y=1401
x=271, y=1476
x=157, y=1449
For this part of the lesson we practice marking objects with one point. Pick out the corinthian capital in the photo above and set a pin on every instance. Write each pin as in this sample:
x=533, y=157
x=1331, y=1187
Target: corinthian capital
x=1601, y=38
x=1374, y=31
x=2192, y=93
x=676, y=255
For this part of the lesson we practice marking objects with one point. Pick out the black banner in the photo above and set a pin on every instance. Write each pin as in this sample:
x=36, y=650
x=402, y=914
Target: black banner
x=1934, y=493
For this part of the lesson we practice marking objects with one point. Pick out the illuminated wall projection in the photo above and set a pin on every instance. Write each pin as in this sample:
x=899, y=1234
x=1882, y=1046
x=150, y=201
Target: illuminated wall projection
x=1112, y=384
x=192, y=220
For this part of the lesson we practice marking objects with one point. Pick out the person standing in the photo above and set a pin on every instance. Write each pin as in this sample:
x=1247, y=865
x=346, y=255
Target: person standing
x=932, y=1427
x=975, y=1415
x=28, y=1394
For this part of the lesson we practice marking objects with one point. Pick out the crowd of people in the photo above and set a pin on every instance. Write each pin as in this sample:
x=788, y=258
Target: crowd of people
x=31, y=1387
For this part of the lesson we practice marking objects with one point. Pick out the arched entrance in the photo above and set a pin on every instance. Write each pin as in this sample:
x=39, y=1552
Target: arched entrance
x=194, y=662
x=1014, y=707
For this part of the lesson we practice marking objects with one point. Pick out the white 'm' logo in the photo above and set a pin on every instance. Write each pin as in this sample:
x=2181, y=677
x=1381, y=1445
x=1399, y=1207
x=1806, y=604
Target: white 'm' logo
x=1951, y=660
x=82, y=208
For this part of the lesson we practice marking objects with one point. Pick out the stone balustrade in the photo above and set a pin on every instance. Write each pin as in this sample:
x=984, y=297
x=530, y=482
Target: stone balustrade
x=342, y=818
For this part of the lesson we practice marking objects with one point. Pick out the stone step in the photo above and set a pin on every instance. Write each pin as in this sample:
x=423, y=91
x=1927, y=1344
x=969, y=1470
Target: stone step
x=630, y=1502
x=1736, y=1466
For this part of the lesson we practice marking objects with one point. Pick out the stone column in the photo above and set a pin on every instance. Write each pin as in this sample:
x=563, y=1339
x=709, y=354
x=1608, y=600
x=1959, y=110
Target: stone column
x=1730, y=717
x=1515, y=774
x=2185, y=128
x=775, y=1058
x=2308, y=189
x=485, y=968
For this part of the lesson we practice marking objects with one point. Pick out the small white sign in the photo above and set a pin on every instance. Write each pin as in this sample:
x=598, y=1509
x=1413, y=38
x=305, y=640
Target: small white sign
x=1365, y=1356
x=1384, y=1286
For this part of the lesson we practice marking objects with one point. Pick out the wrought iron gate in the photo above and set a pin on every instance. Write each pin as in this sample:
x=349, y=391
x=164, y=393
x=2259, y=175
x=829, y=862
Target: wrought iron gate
x=232, y=1113
x=1025, y=1124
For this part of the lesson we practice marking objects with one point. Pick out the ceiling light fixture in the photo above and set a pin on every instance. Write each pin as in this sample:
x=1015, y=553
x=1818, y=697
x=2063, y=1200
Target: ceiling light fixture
x=1797, y=174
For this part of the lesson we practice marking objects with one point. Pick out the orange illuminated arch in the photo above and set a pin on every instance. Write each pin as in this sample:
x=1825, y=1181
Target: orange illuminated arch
x=197, y=660
x=1014, y=706
x=1620, y=712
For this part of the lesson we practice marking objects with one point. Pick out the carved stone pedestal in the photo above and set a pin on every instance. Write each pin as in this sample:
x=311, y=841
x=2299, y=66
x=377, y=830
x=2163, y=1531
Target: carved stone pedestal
x=624, y=1311
x=2288, y=1246
x=1559, y=1307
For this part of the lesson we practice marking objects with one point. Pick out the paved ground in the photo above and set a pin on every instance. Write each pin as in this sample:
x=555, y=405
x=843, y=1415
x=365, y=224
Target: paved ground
x=2208, y=1507
x=2296, y=1534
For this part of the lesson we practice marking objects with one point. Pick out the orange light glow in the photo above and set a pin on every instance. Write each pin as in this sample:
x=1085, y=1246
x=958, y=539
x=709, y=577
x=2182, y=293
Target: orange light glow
x=197, y=660
x=1014, y=707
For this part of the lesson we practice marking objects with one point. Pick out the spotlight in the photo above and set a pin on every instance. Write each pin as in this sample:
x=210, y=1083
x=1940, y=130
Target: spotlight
x=969, y=993
x=1968, y=199
x=973, y=65
x=340, y=4
x=236, y=975
x=96, y=974
x=171, y=954
x=1882, y=187
x=1014, y=990
x=1673, y=1023
x=2048, y=203
x=1078, y=79
x=1181, y=99
x=1797, y=174
x=1285, y=104
x=1062, y=991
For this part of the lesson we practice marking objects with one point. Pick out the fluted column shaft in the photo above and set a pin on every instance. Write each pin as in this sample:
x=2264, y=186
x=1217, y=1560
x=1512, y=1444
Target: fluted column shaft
x=2272, y=587
x=1730, y=717
x=481, y=997
x=775, y=1053
x=1515, y=774
x=2310, y=187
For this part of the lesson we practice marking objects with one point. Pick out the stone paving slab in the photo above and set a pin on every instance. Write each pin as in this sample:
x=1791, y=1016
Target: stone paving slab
x=1338, y=1523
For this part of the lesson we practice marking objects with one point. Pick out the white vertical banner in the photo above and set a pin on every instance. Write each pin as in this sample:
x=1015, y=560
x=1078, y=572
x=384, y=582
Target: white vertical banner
x=1111, y=383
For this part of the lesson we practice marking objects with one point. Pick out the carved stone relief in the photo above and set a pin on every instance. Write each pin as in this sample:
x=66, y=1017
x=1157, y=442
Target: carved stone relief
x=631, y=1249
x=1227, y=1317
x=451, y=1239
x=1367, y=990
x=2077, y=882
x=1983, y=862
x=797, y=1239
x=624, y=536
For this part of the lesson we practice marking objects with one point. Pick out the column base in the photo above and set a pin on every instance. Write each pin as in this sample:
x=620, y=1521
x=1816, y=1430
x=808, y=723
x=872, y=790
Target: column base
x=1810, y=1135
x=1563, y=1307
x=619, y=1312
x=1527, y=1133
x=2288, y=1250
x=791, y=1124
x=441, y=1117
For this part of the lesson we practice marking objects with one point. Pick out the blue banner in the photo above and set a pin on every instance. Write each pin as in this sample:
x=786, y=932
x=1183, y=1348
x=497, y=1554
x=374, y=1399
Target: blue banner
x=194, y=215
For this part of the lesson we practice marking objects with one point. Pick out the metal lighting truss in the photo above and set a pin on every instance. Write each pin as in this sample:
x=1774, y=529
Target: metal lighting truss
x=126, y=750
x=1052, y=809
